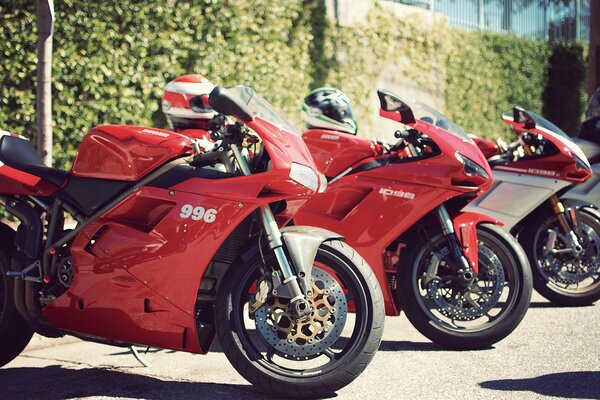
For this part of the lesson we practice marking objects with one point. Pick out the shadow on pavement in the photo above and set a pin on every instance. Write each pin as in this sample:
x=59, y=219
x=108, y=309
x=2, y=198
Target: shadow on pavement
x=547, y=304
x=56, y=382
x=574, y=385
x=404, y=345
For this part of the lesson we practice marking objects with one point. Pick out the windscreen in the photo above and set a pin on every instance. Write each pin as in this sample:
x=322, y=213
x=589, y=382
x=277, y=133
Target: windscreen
x=544, y=123
x=261, y=108
x=429, y=114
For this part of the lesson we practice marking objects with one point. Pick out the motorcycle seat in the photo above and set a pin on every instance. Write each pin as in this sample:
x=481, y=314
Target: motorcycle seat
x=19, y=154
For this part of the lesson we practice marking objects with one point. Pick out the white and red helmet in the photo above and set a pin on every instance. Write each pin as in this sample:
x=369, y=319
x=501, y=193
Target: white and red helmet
x=185, y=104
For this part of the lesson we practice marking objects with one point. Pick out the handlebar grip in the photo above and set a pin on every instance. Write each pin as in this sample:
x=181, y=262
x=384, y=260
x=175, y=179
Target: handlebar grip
x=410, y=135
x=401, y=134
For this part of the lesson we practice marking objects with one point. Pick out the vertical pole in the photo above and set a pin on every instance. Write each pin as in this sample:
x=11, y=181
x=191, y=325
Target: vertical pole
x=480, y=18
x=577, y=19
x=45, y=26
x=594, y=52
x=545, y=23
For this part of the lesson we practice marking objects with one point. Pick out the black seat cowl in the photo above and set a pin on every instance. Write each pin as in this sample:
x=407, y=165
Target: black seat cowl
x=19, y=154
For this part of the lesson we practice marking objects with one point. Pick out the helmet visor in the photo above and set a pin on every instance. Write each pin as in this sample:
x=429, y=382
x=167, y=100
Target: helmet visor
x=198, y=105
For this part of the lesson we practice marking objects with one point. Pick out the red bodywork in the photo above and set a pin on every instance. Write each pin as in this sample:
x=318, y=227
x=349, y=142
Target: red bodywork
x=372, y=208
x=138, y=267
x=127, y=153
x=487, y=147
x=560, y=165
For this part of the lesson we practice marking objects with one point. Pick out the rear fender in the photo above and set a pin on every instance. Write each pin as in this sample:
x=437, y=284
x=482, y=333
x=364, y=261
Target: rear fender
x=465, y=226
x=302, y=244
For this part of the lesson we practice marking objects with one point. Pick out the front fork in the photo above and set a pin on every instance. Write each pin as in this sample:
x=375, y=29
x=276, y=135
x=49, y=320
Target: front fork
x=300, y=306
x=464, y=270
x=561, y=215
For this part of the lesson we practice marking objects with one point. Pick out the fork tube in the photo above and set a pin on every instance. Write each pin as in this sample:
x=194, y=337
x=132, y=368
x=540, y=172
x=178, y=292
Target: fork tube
x=559, y=211
x=272, y=231
x=448, y=231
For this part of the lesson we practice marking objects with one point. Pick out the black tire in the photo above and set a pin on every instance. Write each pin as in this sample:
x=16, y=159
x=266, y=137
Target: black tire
x=566, y=290
x=15, y=334
x=455, y=326
x=245, y=349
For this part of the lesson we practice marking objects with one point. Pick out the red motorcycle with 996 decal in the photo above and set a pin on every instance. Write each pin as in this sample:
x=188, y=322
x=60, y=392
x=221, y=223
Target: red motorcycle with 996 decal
x=462, y=281
x=169, y=251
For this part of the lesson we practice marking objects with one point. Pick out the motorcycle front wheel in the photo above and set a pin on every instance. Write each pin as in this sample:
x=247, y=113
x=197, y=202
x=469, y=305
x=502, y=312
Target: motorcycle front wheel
x=562, y=276
x=464, y=316
x=309, y=358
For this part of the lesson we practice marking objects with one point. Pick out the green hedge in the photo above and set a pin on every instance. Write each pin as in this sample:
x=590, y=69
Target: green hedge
x=112, y=60
x=565, y=95
x=488, y=73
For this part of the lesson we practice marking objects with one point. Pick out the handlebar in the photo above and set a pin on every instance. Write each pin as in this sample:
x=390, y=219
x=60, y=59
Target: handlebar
x=210, y=157
x=408, y=137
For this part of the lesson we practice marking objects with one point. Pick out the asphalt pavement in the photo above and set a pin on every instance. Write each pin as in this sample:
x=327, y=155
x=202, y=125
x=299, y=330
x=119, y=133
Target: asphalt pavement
x=554, y=353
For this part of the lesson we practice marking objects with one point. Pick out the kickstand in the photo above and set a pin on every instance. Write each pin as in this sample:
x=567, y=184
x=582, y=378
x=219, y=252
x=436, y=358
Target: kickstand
x=138, y=356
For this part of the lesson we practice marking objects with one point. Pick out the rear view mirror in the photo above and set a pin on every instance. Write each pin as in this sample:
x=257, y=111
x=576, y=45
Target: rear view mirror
x=226, y=103
x=522, y=116
x=394, y=108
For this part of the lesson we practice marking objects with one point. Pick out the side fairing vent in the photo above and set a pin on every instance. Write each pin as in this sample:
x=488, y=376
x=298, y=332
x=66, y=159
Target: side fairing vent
x=142, y=212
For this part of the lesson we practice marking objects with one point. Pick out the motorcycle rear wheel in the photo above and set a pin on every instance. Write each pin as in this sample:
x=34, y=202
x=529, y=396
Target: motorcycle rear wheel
x=15, y=334
x=447, y=314
x=564, y=279
x=290, y=368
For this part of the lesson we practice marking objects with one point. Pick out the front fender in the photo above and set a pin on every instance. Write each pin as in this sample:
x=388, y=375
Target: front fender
x=465, y=226
x=577, y=203
x=302, y=244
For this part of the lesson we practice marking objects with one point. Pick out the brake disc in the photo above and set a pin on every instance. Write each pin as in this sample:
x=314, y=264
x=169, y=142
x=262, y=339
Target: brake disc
x=477, y=300
x=568, y=269
x=308, y=337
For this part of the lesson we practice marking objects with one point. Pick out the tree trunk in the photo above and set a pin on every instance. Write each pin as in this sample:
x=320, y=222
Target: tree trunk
x=594, y=57
x=45, y=25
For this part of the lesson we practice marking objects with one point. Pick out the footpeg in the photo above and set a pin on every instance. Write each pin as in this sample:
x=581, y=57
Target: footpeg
x=25, y=273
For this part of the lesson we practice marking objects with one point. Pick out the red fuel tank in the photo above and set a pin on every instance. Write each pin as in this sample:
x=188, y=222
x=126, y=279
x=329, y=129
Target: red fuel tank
x=333, y=151
x=127, y=153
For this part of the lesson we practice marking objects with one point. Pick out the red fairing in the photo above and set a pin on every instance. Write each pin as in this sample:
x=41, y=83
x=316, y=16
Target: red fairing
x=561, y=165
x=127, y=153
x=334, y=152
x=284, y=148
x=487, y=147
x=13, y=181
x=196, y=134
x=371, y=213
x=141, y=254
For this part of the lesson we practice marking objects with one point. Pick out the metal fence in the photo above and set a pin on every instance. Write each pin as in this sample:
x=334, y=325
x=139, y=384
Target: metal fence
x=552, y=20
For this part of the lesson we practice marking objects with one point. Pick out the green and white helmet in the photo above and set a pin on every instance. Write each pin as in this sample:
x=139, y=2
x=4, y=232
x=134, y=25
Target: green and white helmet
x=328, y=108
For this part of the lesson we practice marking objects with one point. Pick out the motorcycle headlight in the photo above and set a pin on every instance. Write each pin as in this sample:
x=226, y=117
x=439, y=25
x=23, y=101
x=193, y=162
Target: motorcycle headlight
x=471, y=167
x=580, y=164
x=305, y=176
